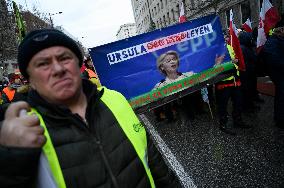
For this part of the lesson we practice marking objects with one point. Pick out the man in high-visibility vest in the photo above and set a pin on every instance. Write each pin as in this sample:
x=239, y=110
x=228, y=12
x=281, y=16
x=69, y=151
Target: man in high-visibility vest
x=90, y=137
x=9, y=91
x=90, y=73
x=225, y=90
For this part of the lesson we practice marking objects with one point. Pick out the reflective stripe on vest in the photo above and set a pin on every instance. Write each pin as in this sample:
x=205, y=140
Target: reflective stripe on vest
x=49, y=152
x=95, y=81
x=232, y=55
x=271, y=31
x=9, y=93
x=127, y=120
x=222, y=86
x=231, y=51
x=130, y=124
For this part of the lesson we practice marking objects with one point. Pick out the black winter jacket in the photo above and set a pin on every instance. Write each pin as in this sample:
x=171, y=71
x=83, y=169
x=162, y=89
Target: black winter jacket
x=247, y=49
x=273, y=51
x=85, y=150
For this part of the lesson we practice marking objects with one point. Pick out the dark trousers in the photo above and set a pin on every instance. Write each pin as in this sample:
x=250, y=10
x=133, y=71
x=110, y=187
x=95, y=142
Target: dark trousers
x=167, y=109
x=276, y=73
x=248, y=88
x=192, y=104
x=222, y=99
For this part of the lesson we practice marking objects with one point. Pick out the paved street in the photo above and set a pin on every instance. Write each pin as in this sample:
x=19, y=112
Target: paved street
x=208, y=157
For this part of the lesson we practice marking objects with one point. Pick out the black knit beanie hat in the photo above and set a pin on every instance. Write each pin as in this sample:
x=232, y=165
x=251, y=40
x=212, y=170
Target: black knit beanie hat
x=37, y=40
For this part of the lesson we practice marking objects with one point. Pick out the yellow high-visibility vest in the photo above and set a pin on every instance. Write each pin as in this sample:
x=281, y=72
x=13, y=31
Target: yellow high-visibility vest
x=93, y=77
x=129, y=123
x=232, y=55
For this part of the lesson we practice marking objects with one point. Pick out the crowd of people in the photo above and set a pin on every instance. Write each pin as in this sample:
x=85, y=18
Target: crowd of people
x=240, y=88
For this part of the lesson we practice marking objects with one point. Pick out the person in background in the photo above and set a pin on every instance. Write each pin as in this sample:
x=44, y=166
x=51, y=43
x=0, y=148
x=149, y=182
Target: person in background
x=273, y=57
x=96, y=138
x=225, y=90
x=20, y=93
x=9, y=91
x=249, y=76
x=89, y=72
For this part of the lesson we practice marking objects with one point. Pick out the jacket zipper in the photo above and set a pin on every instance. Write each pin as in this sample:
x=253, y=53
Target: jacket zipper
x=113, y=179
x=98, y=142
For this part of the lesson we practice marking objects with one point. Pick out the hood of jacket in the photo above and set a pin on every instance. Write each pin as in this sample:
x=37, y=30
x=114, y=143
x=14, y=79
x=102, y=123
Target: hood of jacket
x=246, y=39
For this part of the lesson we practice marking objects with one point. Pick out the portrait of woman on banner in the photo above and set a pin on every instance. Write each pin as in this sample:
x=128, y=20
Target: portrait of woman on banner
x=168, y=64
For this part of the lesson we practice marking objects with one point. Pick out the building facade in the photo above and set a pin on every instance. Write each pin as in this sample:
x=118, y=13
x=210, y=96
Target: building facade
x=126, y=31
x=162, y=13
x=33, y=22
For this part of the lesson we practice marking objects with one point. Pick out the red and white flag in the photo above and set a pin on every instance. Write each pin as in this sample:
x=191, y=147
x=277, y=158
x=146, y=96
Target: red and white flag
x=247, y=26
x=235, y=43
x=268, y=18
x=261, y=36
x=182, y=17
x=271, y=16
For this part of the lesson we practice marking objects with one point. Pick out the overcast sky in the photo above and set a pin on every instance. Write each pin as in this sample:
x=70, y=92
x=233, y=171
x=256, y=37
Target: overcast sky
x=93, y=22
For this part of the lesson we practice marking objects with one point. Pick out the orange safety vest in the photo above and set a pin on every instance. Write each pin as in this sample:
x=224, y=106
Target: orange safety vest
x=91, y=73
x=10, y=93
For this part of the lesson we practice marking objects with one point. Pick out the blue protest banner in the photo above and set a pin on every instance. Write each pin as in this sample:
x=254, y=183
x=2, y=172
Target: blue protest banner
x=177, y=56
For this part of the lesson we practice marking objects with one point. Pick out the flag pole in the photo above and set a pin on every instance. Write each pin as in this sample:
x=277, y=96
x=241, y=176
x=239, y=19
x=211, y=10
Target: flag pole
x=209, y=106
x=19, y=22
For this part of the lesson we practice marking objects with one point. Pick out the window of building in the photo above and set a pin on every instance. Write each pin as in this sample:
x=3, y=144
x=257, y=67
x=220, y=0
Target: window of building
x=260, y=4
x=193, y=4
x=168, y=18
x=245, y=9
x=173, y=15
x=178, y=8
x=161, y=1
x=228, y=17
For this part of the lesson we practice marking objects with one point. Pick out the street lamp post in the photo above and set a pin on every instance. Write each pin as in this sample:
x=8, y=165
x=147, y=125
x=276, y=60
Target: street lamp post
x=51, y=21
